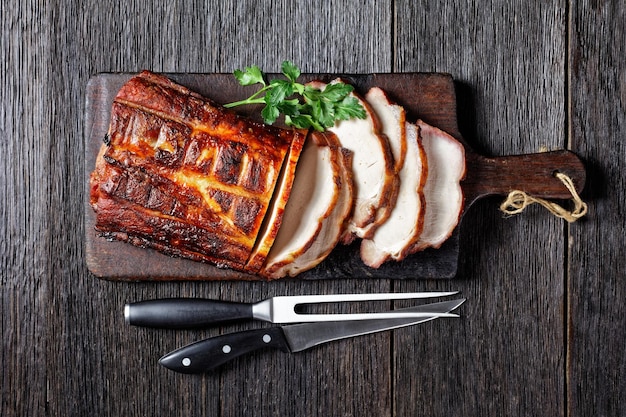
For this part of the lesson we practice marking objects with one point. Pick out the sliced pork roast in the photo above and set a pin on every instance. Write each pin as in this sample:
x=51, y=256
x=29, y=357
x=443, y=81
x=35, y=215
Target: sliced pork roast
x=442, y=191
x=319, y=206
x=395, y=238
x=375, y=181
x=392, y=118
x=273, y=218
x=182, y=175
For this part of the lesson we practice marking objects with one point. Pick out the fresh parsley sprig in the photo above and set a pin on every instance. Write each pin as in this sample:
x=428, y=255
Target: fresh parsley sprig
x=303, y=106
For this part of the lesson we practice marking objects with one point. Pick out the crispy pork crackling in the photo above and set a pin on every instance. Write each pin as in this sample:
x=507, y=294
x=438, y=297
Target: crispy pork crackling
x=182, y=175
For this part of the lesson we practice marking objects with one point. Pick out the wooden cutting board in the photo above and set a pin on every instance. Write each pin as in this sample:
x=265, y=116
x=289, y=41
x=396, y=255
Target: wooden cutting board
x=428, y=96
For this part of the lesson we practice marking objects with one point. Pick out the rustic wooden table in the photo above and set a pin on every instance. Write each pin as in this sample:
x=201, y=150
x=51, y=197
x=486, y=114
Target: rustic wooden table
x=544, y=326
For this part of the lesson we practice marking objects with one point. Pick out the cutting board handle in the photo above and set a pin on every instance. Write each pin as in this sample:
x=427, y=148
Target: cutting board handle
x=533, y=174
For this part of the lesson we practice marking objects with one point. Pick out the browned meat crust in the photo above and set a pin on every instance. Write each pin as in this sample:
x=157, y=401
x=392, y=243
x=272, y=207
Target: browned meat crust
x=182, y=175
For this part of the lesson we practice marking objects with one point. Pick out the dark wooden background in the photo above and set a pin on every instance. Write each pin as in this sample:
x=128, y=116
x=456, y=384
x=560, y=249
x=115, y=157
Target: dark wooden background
x=544, y=327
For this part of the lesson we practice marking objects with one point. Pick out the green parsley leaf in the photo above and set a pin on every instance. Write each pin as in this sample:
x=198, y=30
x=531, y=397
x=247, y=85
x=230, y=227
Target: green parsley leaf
x=324, y=112
x=310, y=108
x=289, y=107
x=303, y=121
x=349, y=108
x=290, y=71
x=270, y=114
x=336, y=92
x=251, y=75
x=280, y=90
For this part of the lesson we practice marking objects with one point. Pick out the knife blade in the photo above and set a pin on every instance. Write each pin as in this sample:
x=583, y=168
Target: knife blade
x=190, y=313
x=208, y=354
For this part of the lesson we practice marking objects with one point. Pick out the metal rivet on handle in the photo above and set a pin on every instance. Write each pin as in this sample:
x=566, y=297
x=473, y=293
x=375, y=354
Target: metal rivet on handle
x=267, y=338
x=226, y=349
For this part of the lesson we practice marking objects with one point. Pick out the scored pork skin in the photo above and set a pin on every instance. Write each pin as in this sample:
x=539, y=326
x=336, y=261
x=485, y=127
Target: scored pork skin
x=134, y=208
x=222, y=164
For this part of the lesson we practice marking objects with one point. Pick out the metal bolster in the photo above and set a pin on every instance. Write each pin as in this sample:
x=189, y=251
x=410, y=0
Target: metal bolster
x=262, y=310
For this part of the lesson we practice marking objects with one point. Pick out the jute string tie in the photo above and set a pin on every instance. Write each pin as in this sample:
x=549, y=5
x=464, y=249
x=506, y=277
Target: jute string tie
x=518, y=200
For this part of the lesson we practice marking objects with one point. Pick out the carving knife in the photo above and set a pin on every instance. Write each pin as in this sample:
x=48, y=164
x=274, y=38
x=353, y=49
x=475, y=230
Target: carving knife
x=205, y=355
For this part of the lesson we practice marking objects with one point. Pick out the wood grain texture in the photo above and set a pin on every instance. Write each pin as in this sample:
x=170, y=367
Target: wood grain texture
x=543, y=328
x=596, y=288
x=506, y=358
x=24, y=188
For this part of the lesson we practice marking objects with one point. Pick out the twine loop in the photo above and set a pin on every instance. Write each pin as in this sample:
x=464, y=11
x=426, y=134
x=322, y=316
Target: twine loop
x=518, y=200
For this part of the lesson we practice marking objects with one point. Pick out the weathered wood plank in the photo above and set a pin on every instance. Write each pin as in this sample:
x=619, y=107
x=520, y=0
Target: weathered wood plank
x=596, y=358
x=24, y=190
x=504, y=357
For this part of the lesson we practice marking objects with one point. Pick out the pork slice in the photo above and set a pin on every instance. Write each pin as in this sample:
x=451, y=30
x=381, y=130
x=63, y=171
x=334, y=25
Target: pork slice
x=274, y=216
x=392, y=118
x=375, y=181
x=395, y=238
x=317, y=209
x=442, y=191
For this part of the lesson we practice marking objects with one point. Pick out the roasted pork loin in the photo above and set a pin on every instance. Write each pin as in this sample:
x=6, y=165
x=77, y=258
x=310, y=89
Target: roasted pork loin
x=392, y=118
x=374, y=176
x=181, y=174
x=320, y=205
x=443, y=194
x=396, y=237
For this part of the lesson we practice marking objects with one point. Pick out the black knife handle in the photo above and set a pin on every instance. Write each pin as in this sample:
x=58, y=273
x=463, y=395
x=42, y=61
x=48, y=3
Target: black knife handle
x=185, y=313
x=210, y=353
